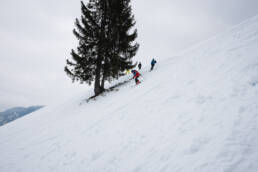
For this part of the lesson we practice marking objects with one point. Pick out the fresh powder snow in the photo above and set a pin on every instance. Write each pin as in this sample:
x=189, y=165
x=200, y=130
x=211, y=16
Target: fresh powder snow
x=196, y=111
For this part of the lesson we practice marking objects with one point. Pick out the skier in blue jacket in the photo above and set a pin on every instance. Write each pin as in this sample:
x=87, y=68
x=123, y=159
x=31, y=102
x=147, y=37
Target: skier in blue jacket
x=153, y=62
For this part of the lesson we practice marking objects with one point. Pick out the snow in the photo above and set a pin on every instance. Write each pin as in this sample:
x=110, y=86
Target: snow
x=196, y=111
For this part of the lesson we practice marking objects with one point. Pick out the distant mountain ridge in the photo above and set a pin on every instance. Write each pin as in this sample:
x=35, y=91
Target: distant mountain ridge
x=16, y=112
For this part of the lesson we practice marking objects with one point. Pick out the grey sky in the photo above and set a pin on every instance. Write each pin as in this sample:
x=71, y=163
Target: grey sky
x=36, y=38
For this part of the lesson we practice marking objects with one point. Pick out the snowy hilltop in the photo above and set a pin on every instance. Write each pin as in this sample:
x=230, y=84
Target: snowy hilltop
x=196, y=111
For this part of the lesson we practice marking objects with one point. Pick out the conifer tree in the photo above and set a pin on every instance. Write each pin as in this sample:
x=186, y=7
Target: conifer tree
x=105, y=43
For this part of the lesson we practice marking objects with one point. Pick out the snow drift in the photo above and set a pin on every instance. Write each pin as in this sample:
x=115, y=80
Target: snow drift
x=197, y=111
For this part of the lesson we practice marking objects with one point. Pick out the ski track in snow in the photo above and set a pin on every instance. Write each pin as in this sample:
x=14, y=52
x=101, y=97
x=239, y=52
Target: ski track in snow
x=196, y=111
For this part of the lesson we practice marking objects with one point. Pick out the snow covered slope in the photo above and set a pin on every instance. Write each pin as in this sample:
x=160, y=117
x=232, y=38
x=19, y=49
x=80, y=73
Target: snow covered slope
x=197, y=111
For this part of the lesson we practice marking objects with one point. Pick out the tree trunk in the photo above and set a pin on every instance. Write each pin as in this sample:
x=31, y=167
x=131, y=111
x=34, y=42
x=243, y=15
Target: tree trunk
x=103, y=82
x=97, y=88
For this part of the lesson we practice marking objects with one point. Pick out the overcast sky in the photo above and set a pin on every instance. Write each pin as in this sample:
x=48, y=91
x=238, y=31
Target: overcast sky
x=36, y=38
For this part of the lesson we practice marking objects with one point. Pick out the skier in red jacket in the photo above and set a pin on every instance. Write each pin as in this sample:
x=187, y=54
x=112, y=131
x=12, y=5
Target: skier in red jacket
x=136, y=75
